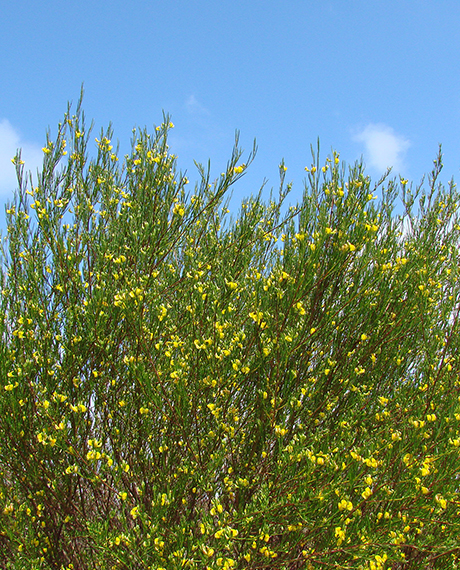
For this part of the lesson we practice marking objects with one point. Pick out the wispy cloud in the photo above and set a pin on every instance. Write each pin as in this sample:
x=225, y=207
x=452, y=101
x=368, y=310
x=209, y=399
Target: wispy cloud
x=383, y=147
x=194, y=107
x=10, y=141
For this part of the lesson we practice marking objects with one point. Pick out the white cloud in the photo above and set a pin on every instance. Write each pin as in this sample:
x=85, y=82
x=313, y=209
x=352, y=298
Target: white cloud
x=10, y=142
x=383, y=146
x=194, y=107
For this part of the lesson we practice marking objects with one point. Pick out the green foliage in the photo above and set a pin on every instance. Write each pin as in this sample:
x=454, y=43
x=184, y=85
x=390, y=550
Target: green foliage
x=180, y=389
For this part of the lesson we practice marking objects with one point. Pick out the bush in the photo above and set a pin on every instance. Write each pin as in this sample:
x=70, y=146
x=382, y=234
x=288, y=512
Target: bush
x=180, y=389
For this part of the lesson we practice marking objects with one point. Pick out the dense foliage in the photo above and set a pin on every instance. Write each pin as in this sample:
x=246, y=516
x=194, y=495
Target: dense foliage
x=181, y=389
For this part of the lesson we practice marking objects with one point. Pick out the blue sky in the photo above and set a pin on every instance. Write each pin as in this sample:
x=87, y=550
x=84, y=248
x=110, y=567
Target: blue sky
x=368, y=77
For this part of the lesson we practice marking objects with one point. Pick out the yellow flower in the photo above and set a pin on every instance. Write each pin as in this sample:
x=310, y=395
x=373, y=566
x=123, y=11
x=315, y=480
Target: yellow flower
x=78, y=408
x=441, y=501
x=179, y=209
x=207, y=551
x=340, y=535
x=345, y=505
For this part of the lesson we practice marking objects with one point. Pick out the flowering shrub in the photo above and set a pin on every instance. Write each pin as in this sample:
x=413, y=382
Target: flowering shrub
x=180, y=389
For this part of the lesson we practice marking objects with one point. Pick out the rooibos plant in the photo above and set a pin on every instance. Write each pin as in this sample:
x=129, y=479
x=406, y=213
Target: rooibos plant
x=181, y=389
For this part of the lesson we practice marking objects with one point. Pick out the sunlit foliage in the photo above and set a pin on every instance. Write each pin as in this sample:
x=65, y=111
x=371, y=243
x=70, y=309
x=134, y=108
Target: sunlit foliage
x=184, y=389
